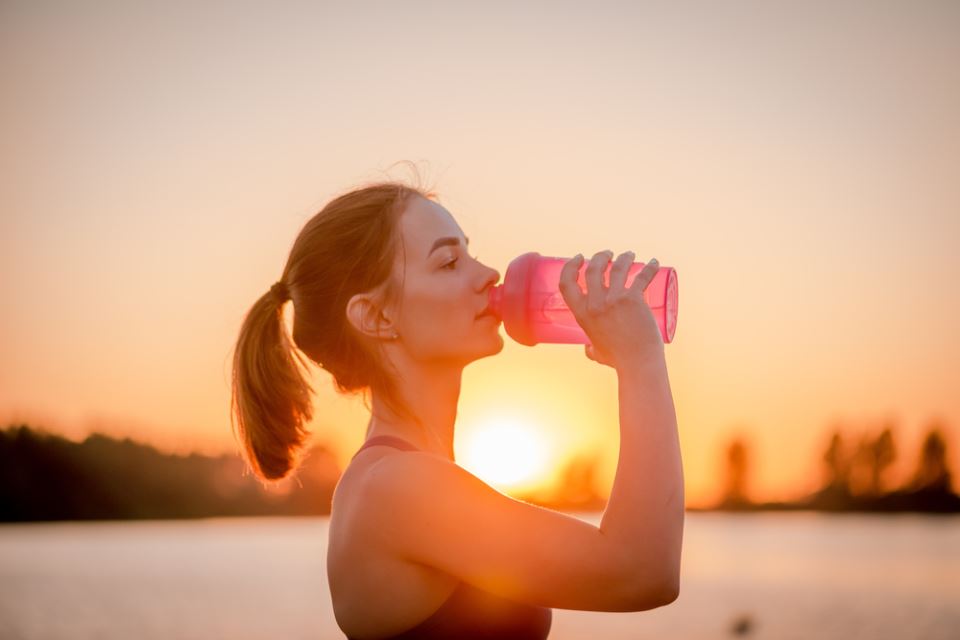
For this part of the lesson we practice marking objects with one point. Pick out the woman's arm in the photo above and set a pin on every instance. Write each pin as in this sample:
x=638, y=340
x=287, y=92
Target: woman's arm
x=646, y=507
x=644, y=515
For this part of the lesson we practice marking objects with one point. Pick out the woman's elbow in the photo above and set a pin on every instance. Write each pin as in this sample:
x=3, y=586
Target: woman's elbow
x=671, y=591
x=654, y=594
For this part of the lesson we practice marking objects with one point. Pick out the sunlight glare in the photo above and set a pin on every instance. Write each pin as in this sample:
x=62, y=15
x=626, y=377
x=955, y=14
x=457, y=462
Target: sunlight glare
x=506, y=453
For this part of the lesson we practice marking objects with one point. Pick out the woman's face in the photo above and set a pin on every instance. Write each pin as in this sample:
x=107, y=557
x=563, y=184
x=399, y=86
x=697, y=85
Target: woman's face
x=443, y=289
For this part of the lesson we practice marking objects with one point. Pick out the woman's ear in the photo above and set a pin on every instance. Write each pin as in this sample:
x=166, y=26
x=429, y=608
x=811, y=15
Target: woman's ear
x=367, y=318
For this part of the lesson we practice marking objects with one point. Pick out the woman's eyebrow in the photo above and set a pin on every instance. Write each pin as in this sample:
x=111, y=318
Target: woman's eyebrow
x=440, y=242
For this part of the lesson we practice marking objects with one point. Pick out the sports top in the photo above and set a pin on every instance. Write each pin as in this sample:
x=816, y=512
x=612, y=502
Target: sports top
x=470, y=613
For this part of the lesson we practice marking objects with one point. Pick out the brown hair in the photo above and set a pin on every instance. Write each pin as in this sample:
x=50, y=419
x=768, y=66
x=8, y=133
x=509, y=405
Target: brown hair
x=347, y=248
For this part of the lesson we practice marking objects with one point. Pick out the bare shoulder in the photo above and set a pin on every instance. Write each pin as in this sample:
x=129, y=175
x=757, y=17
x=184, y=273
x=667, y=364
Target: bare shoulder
x=423, y=483
x=364, y=575
x=408, y=468
x=359, y=496
x=359, y=517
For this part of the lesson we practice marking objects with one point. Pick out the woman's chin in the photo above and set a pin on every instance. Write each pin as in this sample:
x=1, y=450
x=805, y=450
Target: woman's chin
x=492, y=346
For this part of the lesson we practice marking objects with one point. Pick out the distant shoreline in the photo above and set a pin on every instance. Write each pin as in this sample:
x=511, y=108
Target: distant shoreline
x=47, y=478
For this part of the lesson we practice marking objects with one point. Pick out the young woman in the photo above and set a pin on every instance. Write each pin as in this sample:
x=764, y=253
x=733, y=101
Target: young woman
x=388, y=299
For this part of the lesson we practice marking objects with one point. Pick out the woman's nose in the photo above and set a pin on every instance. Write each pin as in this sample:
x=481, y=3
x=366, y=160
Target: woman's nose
x=493, y=277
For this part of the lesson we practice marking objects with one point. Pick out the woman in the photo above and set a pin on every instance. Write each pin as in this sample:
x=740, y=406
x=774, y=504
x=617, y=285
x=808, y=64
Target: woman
x=389, y=301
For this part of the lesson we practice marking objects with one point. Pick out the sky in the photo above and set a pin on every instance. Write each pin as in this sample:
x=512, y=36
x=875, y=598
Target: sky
x=796, y=164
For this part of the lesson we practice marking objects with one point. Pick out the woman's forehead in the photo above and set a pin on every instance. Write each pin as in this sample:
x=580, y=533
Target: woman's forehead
x=423, y=223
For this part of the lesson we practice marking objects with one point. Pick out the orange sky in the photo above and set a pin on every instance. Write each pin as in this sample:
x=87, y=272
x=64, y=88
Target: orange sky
x=798, y=167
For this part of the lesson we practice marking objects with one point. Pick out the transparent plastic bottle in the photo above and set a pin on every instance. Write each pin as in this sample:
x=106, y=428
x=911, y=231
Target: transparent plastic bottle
x=532, y=308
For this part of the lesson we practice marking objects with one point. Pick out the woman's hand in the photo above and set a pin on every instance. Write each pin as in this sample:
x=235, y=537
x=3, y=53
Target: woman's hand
x=618, y=321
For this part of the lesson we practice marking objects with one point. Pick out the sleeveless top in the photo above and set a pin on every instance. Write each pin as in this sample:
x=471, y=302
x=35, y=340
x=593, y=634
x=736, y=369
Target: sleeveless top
x=470, y=613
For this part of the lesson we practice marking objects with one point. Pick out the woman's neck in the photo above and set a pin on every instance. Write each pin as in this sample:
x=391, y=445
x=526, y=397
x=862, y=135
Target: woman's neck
x=433, y=399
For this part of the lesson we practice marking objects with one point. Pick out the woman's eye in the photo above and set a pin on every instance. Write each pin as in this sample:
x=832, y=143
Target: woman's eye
x=450, y=264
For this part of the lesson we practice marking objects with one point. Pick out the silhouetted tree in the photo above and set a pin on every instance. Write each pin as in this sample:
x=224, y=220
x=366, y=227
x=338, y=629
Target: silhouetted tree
x=577, y=486
x=883, y=453
x=837, y=467
x=932, y=472
x=735, y=493
x=869, y=462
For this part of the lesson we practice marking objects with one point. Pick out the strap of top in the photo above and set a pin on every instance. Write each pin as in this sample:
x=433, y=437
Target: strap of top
x=390, y=441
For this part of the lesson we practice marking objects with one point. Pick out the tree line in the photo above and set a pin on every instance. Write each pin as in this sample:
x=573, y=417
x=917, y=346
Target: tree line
x=47, y=477
x=855, y=476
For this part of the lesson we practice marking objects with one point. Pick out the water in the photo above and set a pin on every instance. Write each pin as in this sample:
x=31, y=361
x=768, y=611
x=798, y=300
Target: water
x=792, y=575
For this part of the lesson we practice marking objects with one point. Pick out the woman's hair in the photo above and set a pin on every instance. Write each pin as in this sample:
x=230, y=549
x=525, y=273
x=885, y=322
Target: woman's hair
x=349, y=247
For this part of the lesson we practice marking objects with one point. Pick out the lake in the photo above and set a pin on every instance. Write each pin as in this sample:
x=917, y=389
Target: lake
x=781, y=575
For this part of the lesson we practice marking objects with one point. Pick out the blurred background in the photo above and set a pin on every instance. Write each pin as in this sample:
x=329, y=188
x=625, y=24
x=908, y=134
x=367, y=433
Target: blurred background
x=797, y=164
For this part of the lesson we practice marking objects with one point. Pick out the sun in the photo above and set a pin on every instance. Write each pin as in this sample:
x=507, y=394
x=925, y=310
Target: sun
x=506, y=453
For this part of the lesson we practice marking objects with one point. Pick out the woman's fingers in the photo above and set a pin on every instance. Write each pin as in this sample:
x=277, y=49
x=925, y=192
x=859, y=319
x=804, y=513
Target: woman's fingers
x=569, y=287
x=619, y=270
x=643, y=279
x=596, y=292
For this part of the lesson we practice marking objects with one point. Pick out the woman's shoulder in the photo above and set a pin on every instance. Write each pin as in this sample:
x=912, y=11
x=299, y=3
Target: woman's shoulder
x=423, y=472
x=364, y=573
x=374, y=466
x=381, y=477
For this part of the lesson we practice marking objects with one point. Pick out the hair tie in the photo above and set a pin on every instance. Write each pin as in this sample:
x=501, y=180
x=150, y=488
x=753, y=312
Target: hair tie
x=280, y=292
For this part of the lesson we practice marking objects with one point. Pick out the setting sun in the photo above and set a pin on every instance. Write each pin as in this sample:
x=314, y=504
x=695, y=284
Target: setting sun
x=506, y=454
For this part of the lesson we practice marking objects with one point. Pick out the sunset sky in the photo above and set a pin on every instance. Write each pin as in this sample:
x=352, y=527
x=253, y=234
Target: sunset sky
x=799, y=166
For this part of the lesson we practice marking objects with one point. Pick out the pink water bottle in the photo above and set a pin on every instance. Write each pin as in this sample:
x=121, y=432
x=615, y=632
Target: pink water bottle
x=533, y=310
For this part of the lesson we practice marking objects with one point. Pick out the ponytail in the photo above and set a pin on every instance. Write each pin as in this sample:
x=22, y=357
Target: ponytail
x=271, y=396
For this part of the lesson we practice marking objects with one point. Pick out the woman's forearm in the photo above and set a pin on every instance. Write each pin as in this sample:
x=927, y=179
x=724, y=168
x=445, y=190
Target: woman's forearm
x=645, y=512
